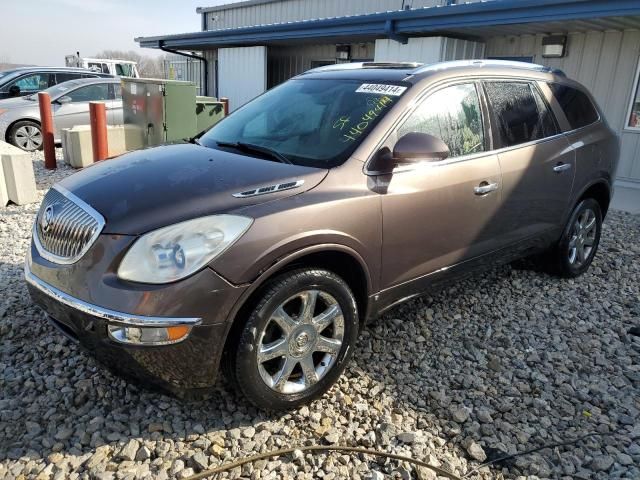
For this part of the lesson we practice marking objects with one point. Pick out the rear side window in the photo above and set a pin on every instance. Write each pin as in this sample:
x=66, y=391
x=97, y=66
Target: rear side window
x=520, y=113
x=576, y=105
x=66, y=76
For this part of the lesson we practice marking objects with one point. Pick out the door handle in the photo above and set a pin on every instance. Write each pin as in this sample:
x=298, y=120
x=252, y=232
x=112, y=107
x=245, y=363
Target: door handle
x=561, y=167
x=485, y=187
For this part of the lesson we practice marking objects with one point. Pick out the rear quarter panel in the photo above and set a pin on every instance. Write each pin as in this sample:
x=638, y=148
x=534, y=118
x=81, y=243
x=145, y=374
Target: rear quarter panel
x=597, y=150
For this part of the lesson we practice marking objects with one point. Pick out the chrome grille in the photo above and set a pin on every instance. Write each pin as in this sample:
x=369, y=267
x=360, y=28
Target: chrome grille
x=65, y=227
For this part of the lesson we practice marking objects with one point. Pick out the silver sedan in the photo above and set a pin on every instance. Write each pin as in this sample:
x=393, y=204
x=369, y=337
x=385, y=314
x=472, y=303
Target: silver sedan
x=20, y=117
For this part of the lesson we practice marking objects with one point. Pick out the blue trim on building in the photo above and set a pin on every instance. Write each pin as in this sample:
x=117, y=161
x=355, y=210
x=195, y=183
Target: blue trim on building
x=402, y=23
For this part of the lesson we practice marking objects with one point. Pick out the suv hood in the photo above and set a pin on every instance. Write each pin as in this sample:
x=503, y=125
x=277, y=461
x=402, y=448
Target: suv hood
x=148, y=189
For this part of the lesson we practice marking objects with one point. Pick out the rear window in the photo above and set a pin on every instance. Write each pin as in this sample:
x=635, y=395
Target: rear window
x=520, y=113
x=576, y=105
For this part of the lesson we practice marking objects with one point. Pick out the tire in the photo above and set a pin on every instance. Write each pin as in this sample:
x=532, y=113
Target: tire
x=283, y=356
x=577, y=247
x=27, y=135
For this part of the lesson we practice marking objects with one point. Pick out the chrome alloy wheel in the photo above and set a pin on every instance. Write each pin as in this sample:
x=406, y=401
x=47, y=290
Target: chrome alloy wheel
x=583, y=237
x=28, y=137
x=300, y=342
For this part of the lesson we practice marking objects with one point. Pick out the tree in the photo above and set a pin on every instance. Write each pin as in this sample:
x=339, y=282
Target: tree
x=148, y=66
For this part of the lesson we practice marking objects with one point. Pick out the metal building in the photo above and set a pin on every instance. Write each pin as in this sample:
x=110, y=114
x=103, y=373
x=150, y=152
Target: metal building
x=249, y=46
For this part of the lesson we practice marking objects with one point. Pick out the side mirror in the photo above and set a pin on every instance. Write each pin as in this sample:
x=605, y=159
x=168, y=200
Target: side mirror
x=14, y=91
x=63, y=100
x=417, y=147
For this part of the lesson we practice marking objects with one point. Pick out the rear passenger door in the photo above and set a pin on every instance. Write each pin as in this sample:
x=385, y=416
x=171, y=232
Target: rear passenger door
x=114, y=105
x=538, y=167
x=66, y=76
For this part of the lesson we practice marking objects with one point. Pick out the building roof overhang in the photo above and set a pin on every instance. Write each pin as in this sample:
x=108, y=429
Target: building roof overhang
x=492, y=17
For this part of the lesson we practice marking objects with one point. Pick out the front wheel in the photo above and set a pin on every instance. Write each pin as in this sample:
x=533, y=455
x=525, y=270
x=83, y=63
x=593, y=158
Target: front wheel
x=574, y=253
x=26, y=135
x=297, y=341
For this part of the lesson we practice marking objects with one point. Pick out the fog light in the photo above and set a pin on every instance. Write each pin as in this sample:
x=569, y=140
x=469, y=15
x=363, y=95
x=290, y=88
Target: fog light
x=148, y=335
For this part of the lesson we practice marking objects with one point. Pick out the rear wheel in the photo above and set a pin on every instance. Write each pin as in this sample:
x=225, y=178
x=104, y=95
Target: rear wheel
x=27, y=135
x=574, y=253
x=296, y=342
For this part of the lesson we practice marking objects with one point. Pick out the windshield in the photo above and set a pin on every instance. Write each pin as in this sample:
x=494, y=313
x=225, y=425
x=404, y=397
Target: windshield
x=313, y=122
x=58, y=90
x=8, y=73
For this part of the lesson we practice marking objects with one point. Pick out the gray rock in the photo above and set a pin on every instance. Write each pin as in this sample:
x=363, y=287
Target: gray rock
x=375, y=475
x=602, y=463
x=143, y=454
x=624, y=459
x=406, y=437
x=484, y=415
x=200, y=461
x=460, y=414
x=129, y=450
x=476, y=452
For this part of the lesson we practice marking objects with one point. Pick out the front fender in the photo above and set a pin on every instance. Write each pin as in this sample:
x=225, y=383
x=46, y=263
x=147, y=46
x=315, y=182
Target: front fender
x=286, y=250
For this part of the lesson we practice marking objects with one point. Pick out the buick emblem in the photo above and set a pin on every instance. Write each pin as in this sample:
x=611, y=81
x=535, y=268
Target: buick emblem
x=47, y=219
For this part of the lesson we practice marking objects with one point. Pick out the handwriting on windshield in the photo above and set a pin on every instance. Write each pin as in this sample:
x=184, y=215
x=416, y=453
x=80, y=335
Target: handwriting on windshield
x=351, y=131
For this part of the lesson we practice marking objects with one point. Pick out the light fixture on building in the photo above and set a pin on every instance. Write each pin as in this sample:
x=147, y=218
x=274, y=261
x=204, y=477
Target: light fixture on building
x=343, y=52
x=554, y=46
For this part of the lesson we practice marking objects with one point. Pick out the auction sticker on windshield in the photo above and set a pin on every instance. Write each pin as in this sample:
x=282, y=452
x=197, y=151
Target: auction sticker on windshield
x=381, y=88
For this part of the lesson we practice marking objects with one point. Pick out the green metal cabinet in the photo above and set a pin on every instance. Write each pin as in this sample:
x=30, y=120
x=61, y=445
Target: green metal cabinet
x=209, y=111
x=163, y=110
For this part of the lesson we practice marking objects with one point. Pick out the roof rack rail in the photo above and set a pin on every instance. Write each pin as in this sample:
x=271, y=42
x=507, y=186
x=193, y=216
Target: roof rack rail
x=360, y=65
x=491, y=63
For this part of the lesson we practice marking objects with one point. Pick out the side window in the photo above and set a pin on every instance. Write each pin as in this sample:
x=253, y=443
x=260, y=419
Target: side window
x=33, y=83
x=64, y=77
x=115, y=91
x=99, y=67
x=576, y=105
x=519, y=112
x=124, y=69
x=549, y=124
x=452, y=114
x=90, y=93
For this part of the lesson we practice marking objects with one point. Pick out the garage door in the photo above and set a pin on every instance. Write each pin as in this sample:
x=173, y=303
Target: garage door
x=242, y=74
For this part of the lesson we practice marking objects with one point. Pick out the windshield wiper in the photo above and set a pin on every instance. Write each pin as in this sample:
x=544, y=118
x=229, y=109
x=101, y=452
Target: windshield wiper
x=250, y=147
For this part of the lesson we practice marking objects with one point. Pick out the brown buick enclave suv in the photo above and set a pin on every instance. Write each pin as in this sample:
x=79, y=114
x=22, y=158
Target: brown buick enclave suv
x=264, y=245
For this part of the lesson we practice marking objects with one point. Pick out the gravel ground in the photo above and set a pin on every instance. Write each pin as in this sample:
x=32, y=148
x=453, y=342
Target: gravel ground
x=503, y=362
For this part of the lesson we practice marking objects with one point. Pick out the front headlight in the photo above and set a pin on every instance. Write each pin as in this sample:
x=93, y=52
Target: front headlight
x=174, y=252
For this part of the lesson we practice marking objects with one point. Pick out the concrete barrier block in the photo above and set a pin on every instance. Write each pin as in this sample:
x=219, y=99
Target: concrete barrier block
x=66, y=146
x=78, y=149
x=18, y=174
x=77, y=146
x=124, y=138
x=4, y=196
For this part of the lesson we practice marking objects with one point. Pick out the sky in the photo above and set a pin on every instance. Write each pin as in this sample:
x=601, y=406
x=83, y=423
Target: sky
x=42, y=32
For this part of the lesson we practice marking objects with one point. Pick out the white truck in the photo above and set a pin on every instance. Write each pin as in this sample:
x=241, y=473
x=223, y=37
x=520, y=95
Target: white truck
x=118, y=68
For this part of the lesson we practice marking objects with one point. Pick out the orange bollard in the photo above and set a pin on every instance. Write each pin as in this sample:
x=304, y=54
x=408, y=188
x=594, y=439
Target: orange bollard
x=98, y=120
x=46, y=124
x=225, y=103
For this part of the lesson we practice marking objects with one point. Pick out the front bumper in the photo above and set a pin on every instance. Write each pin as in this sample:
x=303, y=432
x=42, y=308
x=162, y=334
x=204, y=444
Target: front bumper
x=183, y=368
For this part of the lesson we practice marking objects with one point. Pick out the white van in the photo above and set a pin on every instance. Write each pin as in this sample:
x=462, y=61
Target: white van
x=118, y=68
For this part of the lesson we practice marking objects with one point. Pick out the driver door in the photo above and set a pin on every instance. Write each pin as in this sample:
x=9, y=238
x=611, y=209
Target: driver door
x=440, y=213
x=76, y=111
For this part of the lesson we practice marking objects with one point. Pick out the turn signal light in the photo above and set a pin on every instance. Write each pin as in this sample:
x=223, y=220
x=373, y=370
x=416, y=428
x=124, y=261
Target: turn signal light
x=149, y=335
